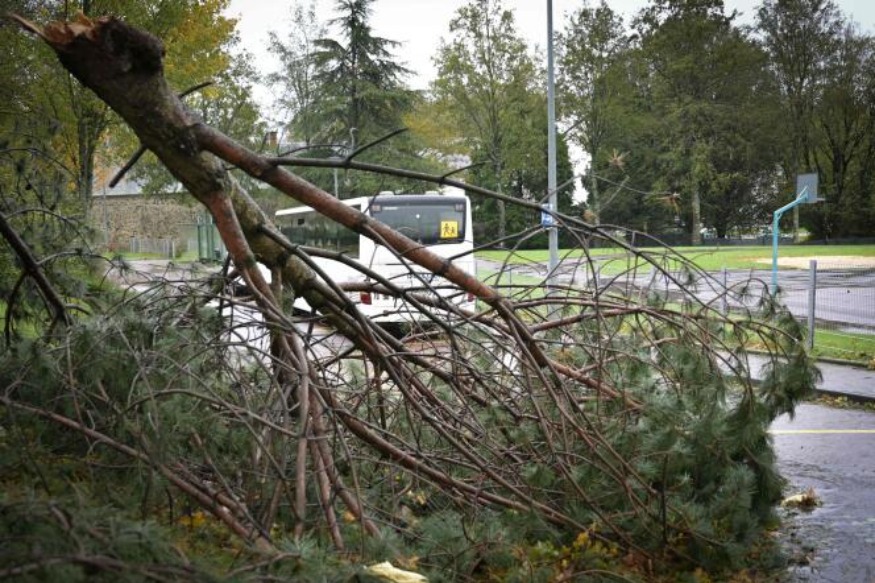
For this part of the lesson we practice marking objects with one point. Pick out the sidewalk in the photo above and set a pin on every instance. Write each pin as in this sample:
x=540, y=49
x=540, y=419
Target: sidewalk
x=857, y=383
x=854, y=382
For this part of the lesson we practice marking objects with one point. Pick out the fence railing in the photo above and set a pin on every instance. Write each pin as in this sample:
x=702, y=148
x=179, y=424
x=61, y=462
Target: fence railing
x=163, y=247
x=838, y=299
x=822, y=297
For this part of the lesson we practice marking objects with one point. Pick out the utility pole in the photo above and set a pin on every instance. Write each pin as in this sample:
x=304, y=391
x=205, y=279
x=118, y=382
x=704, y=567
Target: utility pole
x=552, y=232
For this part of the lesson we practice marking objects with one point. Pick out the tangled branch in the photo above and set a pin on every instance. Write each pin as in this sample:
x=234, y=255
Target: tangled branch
x=610, y=398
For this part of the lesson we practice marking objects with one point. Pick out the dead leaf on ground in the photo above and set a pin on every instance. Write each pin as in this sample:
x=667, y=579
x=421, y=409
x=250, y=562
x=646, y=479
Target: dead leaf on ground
x=389, y=572
x=806, y=500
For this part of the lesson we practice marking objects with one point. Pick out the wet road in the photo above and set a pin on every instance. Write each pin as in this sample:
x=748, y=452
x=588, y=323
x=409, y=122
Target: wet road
x=845, y=297
x=832, y=451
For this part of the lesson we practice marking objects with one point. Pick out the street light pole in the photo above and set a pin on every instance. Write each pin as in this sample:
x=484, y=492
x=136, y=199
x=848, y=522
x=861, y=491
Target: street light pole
x=552, y=232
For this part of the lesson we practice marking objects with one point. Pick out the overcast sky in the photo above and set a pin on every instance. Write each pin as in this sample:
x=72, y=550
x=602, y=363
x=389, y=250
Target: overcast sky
x=420, y=24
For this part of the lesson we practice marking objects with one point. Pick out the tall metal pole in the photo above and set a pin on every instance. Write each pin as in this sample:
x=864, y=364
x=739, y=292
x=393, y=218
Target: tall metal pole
x=776, y=227
x=552, y=232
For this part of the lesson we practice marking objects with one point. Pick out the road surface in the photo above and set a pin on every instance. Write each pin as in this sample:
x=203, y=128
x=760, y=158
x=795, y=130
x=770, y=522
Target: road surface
x=832, y=451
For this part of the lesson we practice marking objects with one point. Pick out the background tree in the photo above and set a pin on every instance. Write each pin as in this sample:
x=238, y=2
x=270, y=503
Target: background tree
x=526, y=174
x=195, y=34
x=361, y=84
x=296, y=79
x=841, y=137
x=798, y=34
x=593, y=41
x=342, y=92
x=824, y=66
x=490, y=86
x=710, y=95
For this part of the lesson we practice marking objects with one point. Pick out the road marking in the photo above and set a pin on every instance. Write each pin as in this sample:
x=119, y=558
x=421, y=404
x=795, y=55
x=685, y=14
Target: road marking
x=821, y=431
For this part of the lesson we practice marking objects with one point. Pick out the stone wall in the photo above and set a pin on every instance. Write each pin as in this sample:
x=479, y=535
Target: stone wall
x=123, y=217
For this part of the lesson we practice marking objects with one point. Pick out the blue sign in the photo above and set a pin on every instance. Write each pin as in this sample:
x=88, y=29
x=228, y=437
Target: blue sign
x=546, y=218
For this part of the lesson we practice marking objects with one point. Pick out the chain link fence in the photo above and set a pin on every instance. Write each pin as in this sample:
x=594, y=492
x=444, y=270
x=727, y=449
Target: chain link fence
x=827, y=297
x=830, y=297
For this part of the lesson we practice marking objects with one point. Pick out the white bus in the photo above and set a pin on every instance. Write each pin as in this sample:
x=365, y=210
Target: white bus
x=441, y=222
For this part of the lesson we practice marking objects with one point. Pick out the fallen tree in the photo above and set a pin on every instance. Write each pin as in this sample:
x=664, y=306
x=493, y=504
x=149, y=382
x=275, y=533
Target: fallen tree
x=603, y=416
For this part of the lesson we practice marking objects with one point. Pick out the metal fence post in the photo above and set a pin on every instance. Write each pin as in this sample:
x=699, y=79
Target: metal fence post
x=812, y=296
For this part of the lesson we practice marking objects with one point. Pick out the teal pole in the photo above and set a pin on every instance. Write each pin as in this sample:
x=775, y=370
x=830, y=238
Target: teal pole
x=776, y=221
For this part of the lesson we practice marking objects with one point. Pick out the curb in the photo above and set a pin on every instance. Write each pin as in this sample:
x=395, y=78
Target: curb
x=852, y=397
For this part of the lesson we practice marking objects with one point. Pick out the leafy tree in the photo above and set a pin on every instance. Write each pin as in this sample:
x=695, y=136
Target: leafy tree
x=299, y=94
x=825, y=69
x=489, y=85
x=864, y=178
x=798, y=35
x=296, y=78
x=590, y=48
x=711, y=96
x=75, y=123
x=842, y=133
x=361, y=84
x=526, y=172
x=346, y=91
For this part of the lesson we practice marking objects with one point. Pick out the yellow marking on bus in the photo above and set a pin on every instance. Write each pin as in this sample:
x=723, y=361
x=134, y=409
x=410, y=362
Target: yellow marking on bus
x=449, y=229
x=822, y=431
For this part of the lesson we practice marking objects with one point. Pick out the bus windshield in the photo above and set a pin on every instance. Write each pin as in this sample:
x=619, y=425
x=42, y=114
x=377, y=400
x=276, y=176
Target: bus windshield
x=430, y=221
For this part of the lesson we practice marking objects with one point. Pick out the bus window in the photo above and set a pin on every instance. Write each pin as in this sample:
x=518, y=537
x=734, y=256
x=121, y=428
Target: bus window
x=309, y=228
x=432, y=221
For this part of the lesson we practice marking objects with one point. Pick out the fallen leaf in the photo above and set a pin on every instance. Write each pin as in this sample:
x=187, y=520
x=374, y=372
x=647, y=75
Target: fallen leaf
x=805, y=500
x=389, y=572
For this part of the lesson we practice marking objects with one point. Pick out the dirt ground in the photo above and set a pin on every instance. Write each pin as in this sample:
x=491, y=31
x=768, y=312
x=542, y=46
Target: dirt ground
x=825, y=262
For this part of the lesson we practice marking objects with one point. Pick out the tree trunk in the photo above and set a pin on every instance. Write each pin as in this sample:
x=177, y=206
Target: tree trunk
x=594, y=192
x=695, y=232
x=84, y=177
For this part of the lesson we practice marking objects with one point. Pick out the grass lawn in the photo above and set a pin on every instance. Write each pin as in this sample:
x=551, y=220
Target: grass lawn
x=844, y=346
x=707, y=258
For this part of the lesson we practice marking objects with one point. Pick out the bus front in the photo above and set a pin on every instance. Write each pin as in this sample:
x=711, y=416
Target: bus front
x=439, y=222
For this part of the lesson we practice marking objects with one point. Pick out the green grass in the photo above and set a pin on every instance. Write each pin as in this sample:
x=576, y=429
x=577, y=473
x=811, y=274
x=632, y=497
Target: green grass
x=707, y=258
x=188, y=256
x=844, y=346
